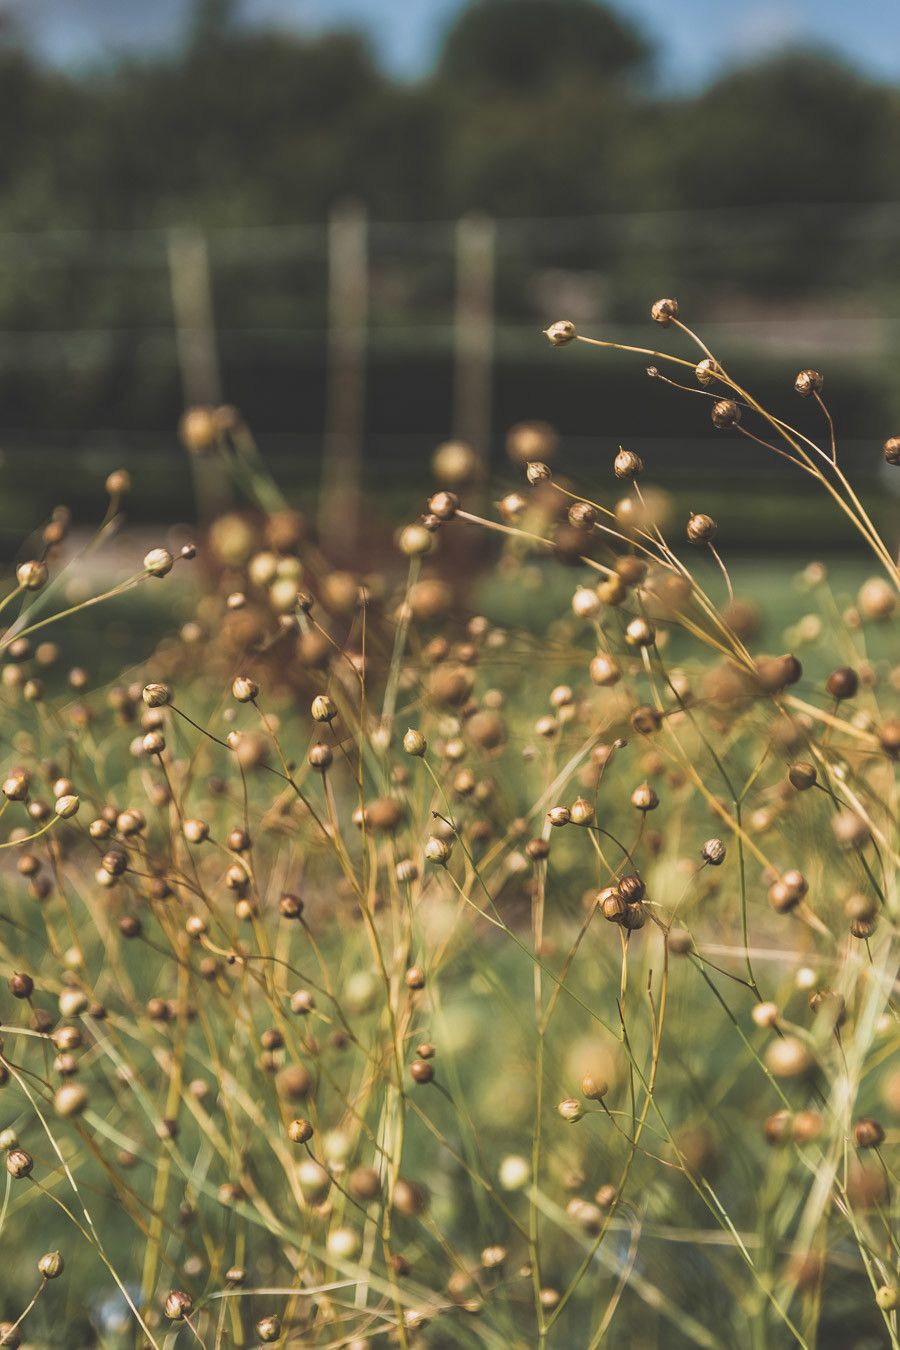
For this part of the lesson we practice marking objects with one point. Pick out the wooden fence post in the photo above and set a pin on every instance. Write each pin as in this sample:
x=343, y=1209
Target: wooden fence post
x=348, y=308
x=190, y=282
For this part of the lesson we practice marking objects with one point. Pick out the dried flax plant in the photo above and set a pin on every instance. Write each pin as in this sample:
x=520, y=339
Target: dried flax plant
x=382, y=975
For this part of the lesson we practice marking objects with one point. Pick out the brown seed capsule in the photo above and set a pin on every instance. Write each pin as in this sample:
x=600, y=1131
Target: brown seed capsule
x=320, y=757
x=863, y=928
x=631, y=889
x=640, y=633
x=644, y=798
x=244, y=689
x=538, y=849
x=631, y=570
x=646, y=719
x=604, y=671
x=892, y=450
x=788, y=1057
x=195, y=831
x=707, y=370
x=612, y=904
x=713, y=852
x=725, y=414
x=889, y=737
x=158, y=562
x=627, y=464
x=571, y=1110
x=594, y=1088
x=20, y=985
x=842, y=683
x=860, y=907
x=421, y=1071
x=581, y=812
x=582, y=516
x=156, y=695
x=779, y=1128
x=300, y=1131
x=664, y=311
x=19, y=1163
x=776, y=673
x=808, y=1125
x=443, y=505
x=561, y=332
x=612, y=590
x=294, y=1083
x=808, y=382
x=365, y=1183
x=701, y=529
x=415, y=978
x=868, y=1133
x=802, y=775
x=290, y=906
x=70, y=1099
x=635, y=917
x=51, y=1265
x=31, y=576
x=178, y=1305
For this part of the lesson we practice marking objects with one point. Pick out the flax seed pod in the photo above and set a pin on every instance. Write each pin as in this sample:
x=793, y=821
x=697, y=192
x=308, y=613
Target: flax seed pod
x=561, y=333
x=627, y=464
x=664, y=311
x=725, y=414
x=809, y=382
x=604, y=671
x=701, y=529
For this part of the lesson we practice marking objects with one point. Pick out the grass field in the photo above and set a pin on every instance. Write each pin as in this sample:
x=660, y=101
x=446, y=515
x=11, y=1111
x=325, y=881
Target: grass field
x=493, y=947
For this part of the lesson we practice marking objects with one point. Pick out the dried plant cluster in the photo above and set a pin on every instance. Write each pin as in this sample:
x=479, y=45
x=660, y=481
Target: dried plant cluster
x=381, y=976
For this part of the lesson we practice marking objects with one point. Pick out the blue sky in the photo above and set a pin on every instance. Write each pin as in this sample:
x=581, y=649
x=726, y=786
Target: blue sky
x=696, y=38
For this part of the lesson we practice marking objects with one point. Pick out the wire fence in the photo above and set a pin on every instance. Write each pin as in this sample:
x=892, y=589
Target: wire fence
x=348, y=335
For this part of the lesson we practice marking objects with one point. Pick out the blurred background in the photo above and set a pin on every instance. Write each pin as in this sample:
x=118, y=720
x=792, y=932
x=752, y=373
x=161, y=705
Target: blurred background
x=352, y=218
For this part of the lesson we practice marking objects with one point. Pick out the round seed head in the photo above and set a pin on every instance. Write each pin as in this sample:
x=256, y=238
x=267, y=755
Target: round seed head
x=713, y=852
x=627, y=464
x=571, y=1110
x=244, y=689
x=868, y=1133
x=51, y=1265
x=892, y=450
x=644, y=798
x=808, y=382
x=538, y=472
x=323, y=708
x=443, y=505
x=664, y=311
x=414, y=743
x=415, y=540
x=19, y=1163
x=802, y=775
x=725, y=414
x=158, y=562
x=156, y=695
x=560, y=333
x=300, y=1131
x=32, y=575
x=178, y=1305
x=437, y=850
x=604, y=670
x=640, y=633
x=701, y=529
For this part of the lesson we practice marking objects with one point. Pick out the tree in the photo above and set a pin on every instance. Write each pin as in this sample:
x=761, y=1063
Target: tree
x=533, y=46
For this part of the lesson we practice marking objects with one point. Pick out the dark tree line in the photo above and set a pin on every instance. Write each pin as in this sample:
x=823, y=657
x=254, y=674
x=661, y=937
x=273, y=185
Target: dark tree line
x=532, y=109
